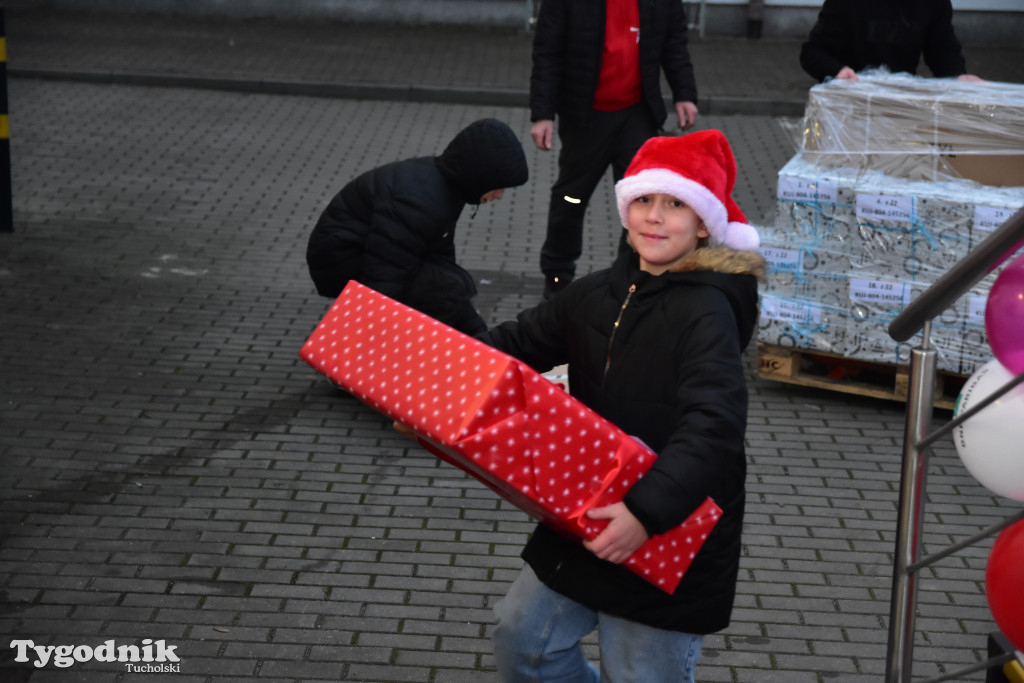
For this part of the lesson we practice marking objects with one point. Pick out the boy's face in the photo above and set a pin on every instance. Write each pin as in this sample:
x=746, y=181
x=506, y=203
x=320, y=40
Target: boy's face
x=663, y=230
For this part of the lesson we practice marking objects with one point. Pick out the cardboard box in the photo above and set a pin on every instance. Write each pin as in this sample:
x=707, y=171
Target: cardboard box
x=918, y=128
x=497, y=419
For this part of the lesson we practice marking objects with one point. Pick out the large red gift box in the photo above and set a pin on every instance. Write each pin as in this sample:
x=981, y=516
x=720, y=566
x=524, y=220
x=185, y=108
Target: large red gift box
x=496, y=418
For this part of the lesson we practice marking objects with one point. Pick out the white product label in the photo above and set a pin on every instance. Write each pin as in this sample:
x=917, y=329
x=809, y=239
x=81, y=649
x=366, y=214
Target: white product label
x=976, y=309
x=879, y=292
x=797, y=189
x=783, y=259
x=785, y=310
x=988, y=218
x=885, y=207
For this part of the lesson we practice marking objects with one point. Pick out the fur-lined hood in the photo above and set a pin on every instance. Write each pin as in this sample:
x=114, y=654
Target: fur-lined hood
x=723, y=260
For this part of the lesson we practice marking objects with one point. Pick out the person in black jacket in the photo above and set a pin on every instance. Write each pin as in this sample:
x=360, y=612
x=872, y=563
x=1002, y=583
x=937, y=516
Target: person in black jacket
x=393, y=227
x=853, y=35
x=654, y=344
x=597, y=68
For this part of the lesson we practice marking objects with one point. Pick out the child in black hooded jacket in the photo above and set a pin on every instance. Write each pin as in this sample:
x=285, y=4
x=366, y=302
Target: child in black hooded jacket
x=654, y=344
x=393, y=227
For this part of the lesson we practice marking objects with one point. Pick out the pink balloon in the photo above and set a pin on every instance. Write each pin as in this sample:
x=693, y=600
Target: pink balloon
x=1004, y=317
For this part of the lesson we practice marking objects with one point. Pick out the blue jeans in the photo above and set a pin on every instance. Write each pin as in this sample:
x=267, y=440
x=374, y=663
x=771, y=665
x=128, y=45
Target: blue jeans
x=538, y=635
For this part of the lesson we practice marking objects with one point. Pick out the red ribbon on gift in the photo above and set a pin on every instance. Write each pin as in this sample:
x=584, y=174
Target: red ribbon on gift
x=496, y=418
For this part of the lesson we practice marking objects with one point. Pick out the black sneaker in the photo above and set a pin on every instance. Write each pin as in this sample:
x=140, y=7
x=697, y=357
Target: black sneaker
x=553, y=284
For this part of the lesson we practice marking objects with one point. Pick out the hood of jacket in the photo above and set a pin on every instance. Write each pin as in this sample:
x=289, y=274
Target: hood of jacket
x=486, y=155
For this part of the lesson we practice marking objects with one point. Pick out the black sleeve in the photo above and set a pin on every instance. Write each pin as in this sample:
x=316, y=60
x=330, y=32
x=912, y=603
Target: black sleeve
x=536, y=336
x=942, y=51
x=822, y=55
x=675, y=57
x=546, y=70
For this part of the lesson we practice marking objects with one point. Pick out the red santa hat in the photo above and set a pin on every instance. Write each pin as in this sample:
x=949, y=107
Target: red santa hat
x=698, y=169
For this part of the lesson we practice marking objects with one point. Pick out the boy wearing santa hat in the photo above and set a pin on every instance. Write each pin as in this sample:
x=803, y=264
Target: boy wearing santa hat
x=653, y=344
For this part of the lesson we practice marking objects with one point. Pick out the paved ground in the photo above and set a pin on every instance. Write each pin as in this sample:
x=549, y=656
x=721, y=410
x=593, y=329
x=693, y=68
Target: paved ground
x=173, y=471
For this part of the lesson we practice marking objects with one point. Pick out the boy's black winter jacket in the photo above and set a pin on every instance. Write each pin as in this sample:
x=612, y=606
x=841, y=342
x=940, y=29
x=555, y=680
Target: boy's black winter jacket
x=567, y=49
x=669, y=372
x=393, y=227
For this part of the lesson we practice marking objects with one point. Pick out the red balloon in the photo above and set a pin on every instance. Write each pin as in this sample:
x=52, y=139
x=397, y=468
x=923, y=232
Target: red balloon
x=1004, y=583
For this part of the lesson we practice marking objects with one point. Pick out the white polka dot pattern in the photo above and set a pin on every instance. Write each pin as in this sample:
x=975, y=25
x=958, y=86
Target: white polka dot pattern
x=496, y=418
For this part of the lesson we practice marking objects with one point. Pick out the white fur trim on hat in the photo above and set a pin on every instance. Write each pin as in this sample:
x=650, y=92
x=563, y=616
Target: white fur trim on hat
x=662, y=181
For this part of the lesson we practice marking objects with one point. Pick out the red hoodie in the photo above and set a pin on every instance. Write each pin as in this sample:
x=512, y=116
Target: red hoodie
x=619, y=86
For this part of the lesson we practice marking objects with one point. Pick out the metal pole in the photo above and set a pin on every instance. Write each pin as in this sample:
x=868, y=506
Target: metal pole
x=698, y=17
x=920, y=403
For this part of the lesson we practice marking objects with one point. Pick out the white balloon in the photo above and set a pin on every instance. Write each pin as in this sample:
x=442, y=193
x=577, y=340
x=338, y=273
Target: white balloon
x=991, y=444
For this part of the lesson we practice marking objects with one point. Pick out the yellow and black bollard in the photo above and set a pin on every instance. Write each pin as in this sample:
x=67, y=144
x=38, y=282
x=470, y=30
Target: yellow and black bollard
x=6, y=206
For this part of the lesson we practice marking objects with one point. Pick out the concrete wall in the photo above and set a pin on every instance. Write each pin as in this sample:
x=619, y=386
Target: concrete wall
x=995, y=21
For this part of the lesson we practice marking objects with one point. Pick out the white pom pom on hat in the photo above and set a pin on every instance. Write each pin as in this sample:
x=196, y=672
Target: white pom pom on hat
x=698, y=169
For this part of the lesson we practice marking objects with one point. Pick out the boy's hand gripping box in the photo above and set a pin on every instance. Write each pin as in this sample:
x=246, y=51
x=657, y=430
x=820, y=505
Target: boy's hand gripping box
x=496, y=418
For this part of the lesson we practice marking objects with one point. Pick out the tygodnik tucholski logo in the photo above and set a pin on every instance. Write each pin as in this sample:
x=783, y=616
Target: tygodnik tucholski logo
x=151, y=657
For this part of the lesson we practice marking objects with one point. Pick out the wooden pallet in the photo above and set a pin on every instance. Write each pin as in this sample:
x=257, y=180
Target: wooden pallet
x=836, y=373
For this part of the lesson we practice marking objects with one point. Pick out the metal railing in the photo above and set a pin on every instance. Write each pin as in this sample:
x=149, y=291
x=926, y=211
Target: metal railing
x=982, y=260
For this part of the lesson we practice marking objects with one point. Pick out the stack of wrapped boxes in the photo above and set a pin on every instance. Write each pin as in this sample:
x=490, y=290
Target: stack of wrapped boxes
x=896, y=180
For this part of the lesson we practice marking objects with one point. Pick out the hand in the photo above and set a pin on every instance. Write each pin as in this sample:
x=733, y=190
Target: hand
x=846, y=73
x=405, y=430
x=623, y=535
x=687, y=112
x=970, y=78
x=543, y=132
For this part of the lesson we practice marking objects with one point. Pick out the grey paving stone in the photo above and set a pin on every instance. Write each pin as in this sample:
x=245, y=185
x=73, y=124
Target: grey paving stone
x=156, y=303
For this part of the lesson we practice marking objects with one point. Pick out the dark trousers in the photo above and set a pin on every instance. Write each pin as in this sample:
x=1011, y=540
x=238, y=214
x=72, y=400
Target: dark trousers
x=610, y=138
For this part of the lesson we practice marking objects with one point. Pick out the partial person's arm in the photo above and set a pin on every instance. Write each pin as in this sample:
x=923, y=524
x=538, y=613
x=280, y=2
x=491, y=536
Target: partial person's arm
x=620, y=539
x=535, y=336
x=543, y=133
x=942, y=51
x=847, y=74
x=820, y=54
x=546, y=69
x=687, y=113
x=678, y=67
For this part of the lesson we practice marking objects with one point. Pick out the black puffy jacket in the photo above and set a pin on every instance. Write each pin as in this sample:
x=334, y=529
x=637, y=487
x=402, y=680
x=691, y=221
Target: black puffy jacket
x=892, y=33
x=669, y=372
x=393, y=228
x=567, y=49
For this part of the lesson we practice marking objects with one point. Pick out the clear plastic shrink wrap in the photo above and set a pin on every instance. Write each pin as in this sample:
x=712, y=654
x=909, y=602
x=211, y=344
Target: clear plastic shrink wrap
x=918, y=128
x=854, y=243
